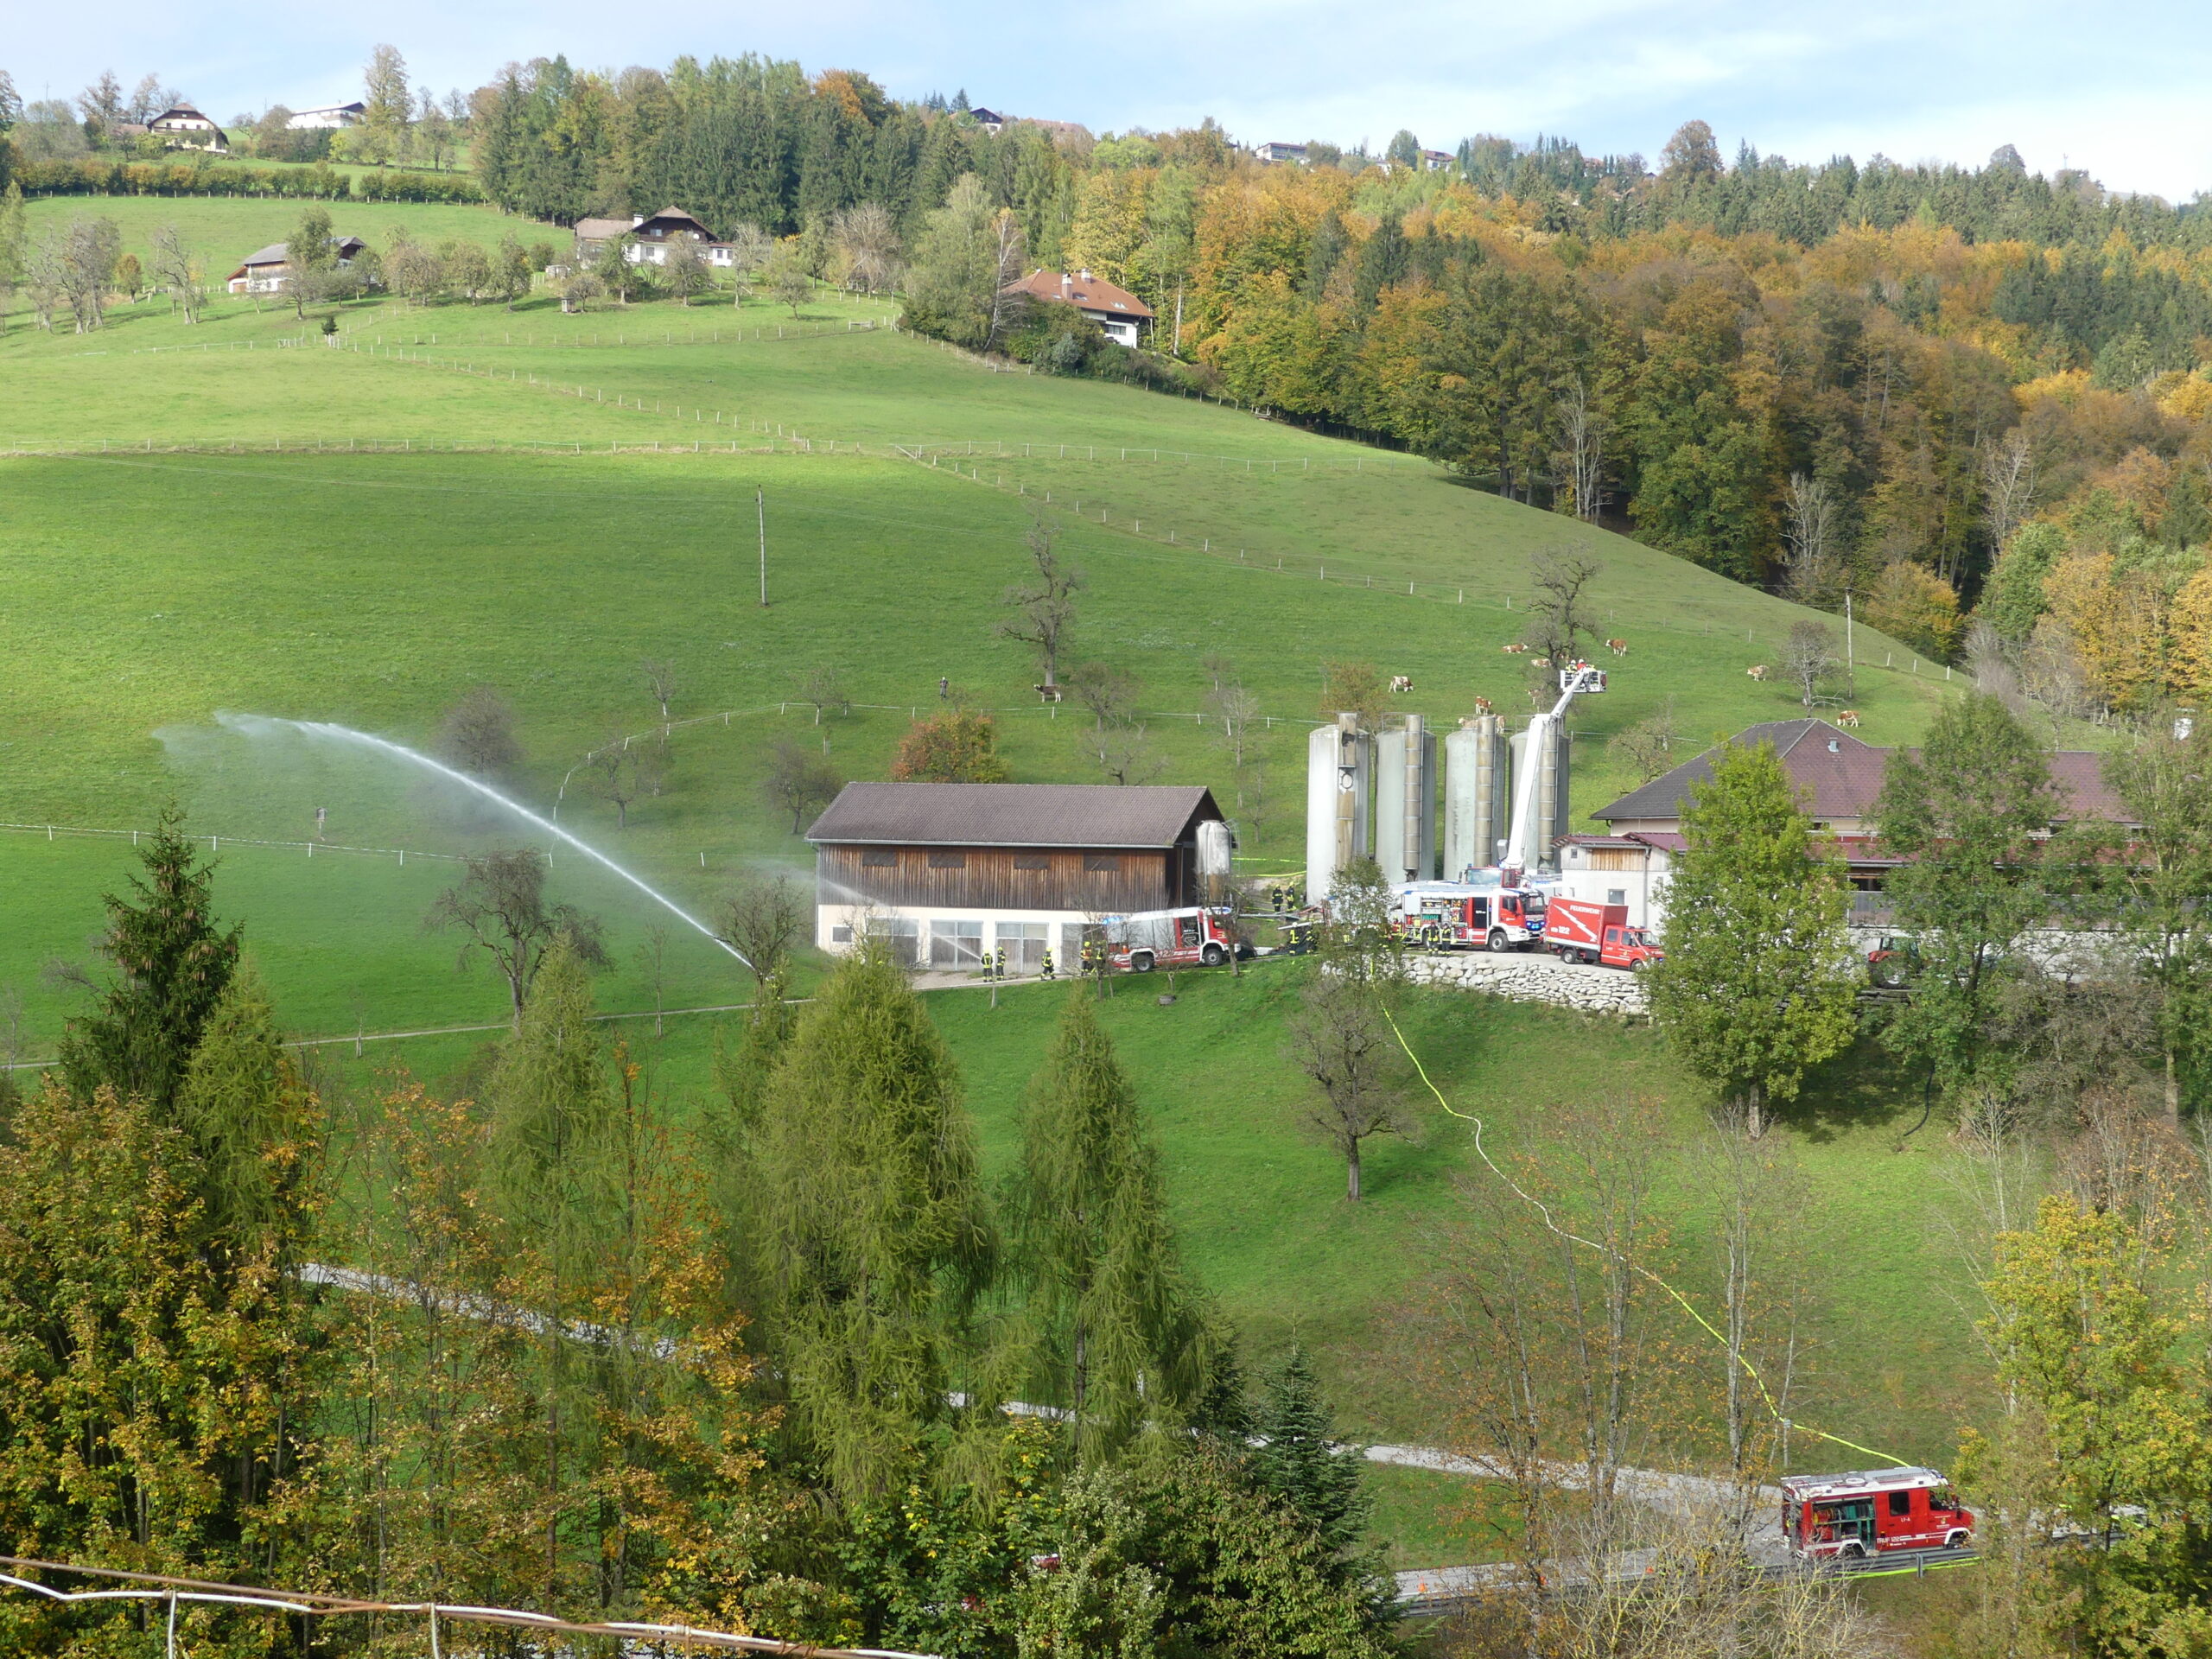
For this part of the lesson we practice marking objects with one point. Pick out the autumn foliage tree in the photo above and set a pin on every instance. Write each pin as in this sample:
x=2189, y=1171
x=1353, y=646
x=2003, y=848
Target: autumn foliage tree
x=959, y=746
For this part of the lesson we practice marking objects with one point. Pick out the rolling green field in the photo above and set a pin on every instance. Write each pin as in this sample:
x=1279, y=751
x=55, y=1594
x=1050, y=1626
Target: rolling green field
x=144, y=595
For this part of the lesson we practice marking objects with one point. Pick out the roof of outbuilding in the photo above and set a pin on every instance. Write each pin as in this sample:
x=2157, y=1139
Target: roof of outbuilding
x=1839, y=777
x=1013, y=814
x=278, y=253
x=601, y=230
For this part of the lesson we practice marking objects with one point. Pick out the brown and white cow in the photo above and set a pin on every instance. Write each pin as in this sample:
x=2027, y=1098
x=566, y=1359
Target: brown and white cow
x=1619, y=647
x=1758, y=673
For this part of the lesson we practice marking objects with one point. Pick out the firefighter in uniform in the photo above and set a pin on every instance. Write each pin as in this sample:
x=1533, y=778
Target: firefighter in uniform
x=1048, y=962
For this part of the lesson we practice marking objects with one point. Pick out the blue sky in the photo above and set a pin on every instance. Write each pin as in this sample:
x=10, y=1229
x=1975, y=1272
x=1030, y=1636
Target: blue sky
x=2123, y=88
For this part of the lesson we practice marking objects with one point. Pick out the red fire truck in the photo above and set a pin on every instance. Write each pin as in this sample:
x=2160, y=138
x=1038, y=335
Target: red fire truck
x=1853, y=1516
x=1196, y=937
x=1582, y=931
x=1451, y=916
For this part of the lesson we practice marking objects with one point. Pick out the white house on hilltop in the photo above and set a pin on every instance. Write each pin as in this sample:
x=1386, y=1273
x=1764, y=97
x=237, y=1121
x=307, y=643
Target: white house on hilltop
x=184, y=128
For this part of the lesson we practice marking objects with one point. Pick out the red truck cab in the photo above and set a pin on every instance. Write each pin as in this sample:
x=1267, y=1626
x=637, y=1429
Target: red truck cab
x=1580, y=931
x=1853, y=1516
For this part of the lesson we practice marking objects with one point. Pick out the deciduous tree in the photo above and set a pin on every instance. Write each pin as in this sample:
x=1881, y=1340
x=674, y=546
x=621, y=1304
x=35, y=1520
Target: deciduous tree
x=1759, y=983
x=959, y=746
x=799, y=779
x=1969, y=814
x=501, y=905
x=1043, y=604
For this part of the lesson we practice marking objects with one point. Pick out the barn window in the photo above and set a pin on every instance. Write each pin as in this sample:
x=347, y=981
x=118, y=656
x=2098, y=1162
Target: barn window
x=878, y=858
x=1104, y=863
x=948, y=861
x=1031, y=862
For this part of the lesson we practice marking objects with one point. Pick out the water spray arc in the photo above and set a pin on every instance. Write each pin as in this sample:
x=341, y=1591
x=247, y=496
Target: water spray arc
x=258, y=725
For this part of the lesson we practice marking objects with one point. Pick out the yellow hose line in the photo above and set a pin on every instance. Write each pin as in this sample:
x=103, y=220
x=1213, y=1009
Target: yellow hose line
x=1683, y=1302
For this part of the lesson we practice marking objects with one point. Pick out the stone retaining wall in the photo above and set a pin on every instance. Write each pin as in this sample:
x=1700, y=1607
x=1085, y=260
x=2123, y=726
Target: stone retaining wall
x=1527, y=977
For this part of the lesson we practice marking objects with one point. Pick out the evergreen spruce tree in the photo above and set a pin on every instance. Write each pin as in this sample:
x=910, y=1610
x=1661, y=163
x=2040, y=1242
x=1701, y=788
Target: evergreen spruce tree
x=172, y=967
x=873, y=1236
x=1759, y=985
x=1121, y=1338
x=1301, y=1461
x=255, y=1126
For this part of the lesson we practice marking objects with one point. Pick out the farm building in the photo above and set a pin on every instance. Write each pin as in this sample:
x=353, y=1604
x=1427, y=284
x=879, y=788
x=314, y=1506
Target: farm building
x=950, y=872
x=1123, y=315
x=183, y=127
x=651, y=236
x=1837, y=780
x=264, y=270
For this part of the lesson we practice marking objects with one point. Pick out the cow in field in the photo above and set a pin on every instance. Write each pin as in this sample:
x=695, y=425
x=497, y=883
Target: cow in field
x=1482, y=705
x=1848, y=717
x=1619, y=647
x=1513, y=650
x=1540, y=662
x=1401, y=684
x=1758, y=673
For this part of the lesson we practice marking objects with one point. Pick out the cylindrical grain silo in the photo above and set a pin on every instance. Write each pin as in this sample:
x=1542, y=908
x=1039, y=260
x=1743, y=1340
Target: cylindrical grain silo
x=1391, y=803
x=1337, y=789
x=1476, y=793
x=1214, y=862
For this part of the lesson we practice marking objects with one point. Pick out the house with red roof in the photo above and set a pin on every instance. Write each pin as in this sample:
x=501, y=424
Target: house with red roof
x=1120, y=313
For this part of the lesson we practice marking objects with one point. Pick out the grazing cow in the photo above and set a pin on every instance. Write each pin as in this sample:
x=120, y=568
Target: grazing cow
x=1540, y=662
x=1482, y=705
x=1619, y=647
x=1848, y=717
x=1758, y=673
x=1400, y=683
x=1514, y=650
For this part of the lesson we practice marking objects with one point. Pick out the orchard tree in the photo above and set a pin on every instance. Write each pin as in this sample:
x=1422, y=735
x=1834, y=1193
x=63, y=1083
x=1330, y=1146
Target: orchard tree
x=1043, y=605
x=1758, y=986
x=957, y=747
x=500, y=906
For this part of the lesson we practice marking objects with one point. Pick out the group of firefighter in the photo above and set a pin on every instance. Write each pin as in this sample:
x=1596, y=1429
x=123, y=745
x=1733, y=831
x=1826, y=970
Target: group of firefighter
x=1095, y=960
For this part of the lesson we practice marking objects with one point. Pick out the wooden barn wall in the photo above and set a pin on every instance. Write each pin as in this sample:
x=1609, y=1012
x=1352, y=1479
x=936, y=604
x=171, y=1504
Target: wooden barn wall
x=1145, y=881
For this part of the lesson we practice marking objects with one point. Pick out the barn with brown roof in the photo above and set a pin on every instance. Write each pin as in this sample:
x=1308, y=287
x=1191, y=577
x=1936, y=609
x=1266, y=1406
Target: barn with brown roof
x=952, y=872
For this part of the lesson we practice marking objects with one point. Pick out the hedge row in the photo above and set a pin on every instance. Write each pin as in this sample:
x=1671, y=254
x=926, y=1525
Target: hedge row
x=94, y=175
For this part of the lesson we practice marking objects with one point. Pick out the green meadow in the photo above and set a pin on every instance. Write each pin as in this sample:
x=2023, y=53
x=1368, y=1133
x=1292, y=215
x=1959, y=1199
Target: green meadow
x=167, y=569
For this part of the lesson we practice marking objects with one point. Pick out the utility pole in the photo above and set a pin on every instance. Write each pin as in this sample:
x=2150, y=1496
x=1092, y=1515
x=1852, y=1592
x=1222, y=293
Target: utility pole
x=760, y=504
x=1850, y=657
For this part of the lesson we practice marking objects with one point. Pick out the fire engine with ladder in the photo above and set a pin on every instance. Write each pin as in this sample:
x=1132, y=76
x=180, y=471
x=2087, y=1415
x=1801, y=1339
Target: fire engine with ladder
x=1500, y=908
